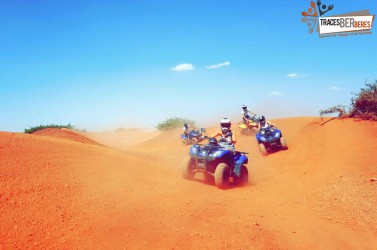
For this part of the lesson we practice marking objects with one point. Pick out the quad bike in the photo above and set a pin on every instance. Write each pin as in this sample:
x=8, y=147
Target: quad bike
x=270, y=138
x=218, y=161
x=192, y=137
x=250, y=126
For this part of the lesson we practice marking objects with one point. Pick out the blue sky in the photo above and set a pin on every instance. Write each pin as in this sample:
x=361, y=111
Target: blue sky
x=108, y=64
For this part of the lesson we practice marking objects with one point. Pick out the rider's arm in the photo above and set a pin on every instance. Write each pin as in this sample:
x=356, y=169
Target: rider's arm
x=270, y=123
x=234, y=140
x=251, y=112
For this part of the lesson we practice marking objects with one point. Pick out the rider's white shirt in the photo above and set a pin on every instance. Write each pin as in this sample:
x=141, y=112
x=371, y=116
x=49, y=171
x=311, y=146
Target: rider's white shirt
x=245, y=112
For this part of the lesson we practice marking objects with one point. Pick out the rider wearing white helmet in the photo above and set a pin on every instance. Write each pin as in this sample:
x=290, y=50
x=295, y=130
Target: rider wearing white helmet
x=245, y=113
x=226, y=132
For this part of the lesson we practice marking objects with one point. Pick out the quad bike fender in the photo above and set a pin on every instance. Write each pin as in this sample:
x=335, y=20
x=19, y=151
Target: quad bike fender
x=223, y=154
x=277, y=133
x=260, y=138
x=240, y=159
x=194, y=150
x=252, y=124
x=242, y=125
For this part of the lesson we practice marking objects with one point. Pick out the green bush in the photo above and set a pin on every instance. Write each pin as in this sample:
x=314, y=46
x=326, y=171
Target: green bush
x=173, y=123
x=40, y=127
x=364, y=104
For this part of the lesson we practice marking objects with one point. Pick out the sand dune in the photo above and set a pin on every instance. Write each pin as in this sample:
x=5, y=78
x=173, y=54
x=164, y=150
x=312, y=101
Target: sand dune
x=122, y=139
x=58, y=190
x=65, y=134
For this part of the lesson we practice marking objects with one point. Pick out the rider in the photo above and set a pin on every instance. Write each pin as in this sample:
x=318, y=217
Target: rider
x=186, y=129
x=263, y=123
x=226, y=133
x=245, y=114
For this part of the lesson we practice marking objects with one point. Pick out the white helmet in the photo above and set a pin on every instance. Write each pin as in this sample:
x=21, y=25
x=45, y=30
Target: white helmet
x=244, y=107
x=225, y=124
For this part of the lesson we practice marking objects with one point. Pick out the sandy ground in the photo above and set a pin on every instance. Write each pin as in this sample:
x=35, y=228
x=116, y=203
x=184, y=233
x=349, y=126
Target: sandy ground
x=61, y=190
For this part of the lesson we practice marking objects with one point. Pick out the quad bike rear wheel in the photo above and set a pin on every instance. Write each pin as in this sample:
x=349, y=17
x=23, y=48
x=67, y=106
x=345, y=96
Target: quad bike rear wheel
x=187, y=168
x=222, y=176
x=244, y=178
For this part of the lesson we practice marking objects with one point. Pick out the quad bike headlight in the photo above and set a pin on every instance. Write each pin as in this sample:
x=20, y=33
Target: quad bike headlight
x=194, y=150
x=263, y=139
x=217, y=154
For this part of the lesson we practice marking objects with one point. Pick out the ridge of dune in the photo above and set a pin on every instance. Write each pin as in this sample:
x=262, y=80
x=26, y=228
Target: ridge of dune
x=122, y=139
x=318, y=194
x=65, y=134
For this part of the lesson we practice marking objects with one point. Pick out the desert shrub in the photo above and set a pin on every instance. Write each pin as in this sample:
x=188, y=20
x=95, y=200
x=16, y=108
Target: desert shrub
x=173, y=123
x=40, y=127
x=364, y=104
x=341, y=110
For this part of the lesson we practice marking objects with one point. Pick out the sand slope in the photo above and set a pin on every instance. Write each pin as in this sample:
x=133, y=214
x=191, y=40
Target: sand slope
x=65, y=134
x=122, y=139
x=63, y=193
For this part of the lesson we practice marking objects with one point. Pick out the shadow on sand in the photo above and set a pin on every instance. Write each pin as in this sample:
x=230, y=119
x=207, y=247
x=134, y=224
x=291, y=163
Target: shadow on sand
x=199, y=177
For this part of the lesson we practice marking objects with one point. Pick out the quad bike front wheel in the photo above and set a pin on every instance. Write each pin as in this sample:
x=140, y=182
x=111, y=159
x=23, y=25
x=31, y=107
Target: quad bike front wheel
x=194, y=140
x=188, y=168
x=283, y=143
x=262, y=149
x=222, y=175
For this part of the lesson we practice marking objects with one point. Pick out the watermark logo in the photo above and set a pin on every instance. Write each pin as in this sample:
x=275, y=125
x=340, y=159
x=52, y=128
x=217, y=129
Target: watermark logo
x=322, y=9
x=353, y=23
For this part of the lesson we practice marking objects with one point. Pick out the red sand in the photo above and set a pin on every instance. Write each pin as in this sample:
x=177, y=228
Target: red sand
x=62, y=191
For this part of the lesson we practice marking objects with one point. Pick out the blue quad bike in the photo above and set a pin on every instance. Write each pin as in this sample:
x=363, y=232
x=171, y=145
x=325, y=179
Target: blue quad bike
x=192, y=137
x=270, y=138
x=218, y=162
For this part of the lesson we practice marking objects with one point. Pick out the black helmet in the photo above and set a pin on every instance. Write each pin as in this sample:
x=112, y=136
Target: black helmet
x=262, y=119
x=185, y=125
x=244, y=107
x=212, y=141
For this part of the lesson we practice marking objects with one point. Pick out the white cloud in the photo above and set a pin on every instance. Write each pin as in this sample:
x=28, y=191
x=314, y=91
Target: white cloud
x=295, y=75
x=334, y=88
x=183, y=67
x=215, y=66
x=276, y=93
